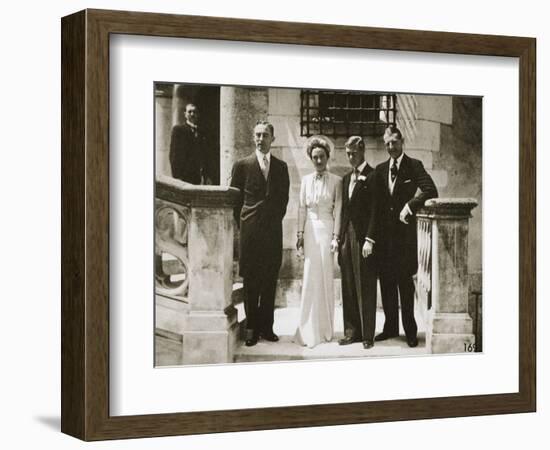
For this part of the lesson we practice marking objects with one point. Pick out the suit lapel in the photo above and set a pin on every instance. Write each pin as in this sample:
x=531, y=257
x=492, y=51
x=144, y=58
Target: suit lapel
x=345, y=190
x=364, y=173
x=272, y=168
x=354, y=189
x=385, y=171
x=366, y=170
x=402, y=173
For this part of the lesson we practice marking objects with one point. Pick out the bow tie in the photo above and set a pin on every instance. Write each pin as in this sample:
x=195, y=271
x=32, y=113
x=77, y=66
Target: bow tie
x=320, y=176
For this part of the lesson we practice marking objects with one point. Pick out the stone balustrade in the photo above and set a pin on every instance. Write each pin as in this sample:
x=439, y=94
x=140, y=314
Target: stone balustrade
x=443, y=273
x=194, y=228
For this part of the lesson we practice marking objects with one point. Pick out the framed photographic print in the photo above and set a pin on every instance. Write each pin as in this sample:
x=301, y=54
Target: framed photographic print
x=270, y=225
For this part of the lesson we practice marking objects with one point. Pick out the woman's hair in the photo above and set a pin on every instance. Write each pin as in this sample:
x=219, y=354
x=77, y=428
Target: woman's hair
x=317, y=142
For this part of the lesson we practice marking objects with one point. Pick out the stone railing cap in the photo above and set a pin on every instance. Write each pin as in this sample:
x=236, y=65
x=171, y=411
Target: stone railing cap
x=448, y=208
x=182, y=193
x=451, y=202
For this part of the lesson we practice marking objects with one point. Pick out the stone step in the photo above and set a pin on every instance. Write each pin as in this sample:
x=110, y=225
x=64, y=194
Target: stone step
x=286, y=350
x=167, y=348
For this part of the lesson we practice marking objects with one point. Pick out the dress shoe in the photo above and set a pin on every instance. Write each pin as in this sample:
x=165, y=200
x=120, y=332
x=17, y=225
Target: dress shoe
x=412, y=342
x=383, y=336
x=368, y=344
x=271, y=337
x=251, y=342
x=348, y=340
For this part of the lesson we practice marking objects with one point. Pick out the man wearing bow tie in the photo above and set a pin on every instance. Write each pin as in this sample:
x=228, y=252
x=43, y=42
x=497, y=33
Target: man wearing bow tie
x=357, y=241
x=263, y=182
x=188, y=153
x=399, y=179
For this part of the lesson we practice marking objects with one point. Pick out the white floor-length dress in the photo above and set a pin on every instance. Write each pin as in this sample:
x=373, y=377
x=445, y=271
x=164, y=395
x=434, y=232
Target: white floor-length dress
x=318, y=217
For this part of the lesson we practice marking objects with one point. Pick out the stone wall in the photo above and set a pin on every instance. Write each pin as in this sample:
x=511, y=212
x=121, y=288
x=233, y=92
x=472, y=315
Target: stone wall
x=240, y=109
x=461, y=153
x=445, y=133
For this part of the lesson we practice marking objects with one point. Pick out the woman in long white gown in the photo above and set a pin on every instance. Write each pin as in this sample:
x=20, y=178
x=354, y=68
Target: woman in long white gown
x=318, y=229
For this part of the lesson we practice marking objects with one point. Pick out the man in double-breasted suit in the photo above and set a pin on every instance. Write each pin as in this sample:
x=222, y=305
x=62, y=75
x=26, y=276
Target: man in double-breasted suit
x=399, y=179
x=357, y=238
x=263, y=181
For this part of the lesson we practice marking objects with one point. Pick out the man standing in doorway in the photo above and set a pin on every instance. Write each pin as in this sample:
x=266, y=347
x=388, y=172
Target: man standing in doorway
x=263, y=182
x=399, y=179
x=188, y=156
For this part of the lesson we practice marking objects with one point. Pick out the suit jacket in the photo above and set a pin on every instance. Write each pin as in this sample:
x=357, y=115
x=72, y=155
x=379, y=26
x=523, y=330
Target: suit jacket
x=397, y=242
x=260, y=213
x=360, y=209
x=187, y=154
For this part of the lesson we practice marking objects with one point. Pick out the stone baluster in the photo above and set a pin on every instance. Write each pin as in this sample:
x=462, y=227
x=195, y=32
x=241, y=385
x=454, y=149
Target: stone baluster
x=449, y=326
x=424, y=275
x=210, y=326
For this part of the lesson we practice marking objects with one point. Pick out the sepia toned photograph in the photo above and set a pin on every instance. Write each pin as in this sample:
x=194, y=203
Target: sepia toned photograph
x=300, y=224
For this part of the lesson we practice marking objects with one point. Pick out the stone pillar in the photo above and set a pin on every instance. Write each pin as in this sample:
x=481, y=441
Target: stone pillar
x=449, y=326
x=240, y=109
x=210, y=328
x=163, y=127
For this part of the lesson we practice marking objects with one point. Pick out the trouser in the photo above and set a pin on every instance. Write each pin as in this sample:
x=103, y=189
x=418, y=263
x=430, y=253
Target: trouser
x=259, y=302
x=390, y=285
x=358, y=289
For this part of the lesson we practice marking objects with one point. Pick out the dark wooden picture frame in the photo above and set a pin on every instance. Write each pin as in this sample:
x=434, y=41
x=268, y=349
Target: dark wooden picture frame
x=85, y=224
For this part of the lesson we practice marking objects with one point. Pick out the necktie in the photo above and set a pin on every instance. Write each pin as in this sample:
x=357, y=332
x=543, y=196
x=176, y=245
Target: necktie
x=266, y=167
x=353, y=181
x=393, y=170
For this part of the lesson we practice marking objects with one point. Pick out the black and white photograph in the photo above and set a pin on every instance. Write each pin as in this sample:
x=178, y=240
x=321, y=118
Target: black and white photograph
x=300, y=224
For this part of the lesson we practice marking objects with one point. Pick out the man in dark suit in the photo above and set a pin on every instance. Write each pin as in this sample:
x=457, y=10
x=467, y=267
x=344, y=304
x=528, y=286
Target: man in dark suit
x=188, y=155
x=399, y=179
x=357, y=238
x=263, y=181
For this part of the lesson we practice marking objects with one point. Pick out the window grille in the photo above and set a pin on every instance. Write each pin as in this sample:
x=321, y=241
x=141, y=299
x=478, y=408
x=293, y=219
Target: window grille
x=346, y=113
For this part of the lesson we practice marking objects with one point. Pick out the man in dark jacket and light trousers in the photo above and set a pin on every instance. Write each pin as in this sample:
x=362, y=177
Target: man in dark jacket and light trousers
x=263, y=181
x=399, y=179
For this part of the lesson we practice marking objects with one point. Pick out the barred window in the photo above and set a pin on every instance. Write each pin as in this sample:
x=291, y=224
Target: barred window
x=346, y=113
